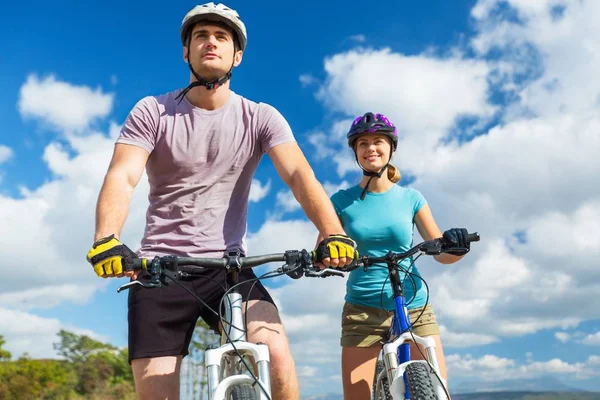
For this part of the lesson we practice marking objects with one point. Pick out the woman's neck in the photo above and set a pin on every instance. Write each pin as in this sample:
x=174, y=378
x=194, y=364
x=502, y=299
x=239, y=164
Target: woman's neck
x=377, y=185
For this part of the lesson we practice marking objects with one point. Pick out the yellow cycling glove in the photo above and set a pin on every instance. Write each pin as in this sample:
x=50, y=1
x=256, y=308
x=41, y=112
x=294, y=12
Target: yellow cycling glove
x=336, y=246
x=110, y=257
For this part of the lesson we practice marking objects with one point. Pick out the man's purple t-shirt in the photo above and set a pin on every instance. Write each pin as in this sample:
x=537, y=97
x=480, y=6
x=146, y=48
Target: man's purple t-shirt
x=200, y=170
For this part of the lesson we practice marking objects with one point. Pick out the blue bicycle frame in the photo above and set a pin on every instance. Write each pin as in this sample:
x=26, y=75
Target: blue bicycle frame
x=400, y=323
x=397, y=353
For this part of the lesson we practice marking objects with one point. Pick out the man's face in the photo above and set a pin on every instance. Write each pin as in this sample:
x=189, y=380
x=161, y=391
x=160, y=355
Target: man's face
x=212, y=51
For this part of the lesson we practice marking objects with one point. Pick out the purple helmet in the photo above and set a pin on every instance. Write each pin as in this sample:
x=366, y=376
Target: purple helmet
x=371, y=123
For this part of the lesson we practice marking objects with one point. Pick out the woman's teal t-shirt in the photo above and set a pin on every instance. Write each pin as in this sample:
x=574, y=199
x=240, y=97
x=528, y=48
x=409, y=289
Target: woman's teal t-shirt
x=380, y=223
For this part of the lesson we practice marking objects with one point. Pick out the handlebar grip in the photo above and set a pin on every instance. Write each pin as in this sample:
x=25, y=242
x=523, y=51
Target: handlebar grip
x=473, y=237
x=138, y=263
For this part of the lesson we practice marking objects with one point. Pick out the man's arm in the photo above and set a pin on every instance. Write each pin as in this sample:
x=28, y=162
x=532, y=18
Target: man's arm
x=124, y=173
x=294, y=170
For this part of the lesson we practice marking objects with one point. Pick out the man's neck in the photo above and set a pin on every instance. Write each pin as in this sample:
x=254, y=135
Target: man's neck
x=209, y=99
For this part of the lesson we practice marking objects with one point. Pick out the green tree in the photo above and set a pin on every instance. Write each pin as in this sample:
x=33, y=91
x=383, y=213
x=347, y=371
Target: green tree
x=77, y=348
x=4, y=354
x=99, y=367
x=36, y=379
x=91, y=370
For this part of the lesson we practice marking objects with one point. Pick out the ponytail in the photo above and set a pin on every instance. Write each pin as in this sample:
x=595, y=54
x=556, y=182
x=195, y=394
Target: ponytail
x=393, y=174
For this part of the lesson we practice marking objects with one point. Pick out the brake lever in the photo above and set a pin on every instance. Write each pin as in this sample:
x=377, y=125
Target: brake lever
x=136, y=282
x=324, y=273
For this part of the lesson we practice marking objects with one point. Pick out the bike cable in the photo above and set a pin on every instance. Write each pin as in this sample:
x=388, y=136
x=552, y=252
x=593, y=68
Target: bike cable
x=219, y=314
x=270, y=274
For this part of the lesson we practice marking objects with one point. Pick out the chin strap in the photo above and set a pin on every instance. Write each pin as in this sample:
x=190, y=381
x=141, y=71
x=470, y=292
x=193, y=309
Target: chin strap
x=372, y=174
x=210, y=85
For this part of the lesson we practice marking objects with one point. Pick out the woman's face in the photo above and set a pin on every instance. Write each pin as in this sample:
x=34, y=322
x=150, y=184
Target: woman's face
x=373, y=151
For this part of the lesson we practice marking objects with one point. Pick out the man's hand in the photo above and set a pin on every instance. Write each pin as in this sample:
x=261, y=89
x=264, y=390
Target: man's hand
x=336, y=251
x=111, y=258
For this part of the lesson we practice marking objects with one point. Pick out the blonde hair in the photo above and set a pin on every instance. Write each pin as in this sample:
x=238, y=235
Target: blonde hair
x=393, y=174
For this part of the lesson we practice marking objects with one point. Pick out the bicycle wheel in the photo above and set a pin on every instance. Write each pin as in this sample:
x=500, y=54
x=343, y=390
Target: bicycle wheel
x=419, y=382
x=385, y=384
x=243, y=392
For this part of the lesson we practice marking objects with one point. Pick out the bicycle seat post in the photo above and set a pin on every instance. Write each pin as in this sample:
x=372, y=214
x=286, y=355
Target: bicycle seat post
x=234, y=321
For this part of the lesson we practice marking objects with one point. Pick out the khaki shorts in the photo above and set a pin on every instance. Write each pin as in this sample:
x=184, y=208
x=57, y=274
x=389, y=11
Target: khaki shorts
x=364, y=326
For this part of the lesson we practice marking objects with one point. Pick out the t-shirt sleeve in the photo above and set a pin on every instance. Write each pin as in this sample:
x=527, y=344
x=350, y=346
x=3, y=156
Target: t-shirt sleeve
x=273, y=128
x=336, y=206
x=418, y=201
x=141, y=126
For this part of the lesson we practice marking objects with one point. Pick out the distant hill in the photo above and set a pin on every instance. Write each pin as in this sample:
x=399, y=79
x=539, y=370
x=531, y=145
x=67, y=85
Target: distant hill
x=497, y=396
x=541, y=388
x=324, y=397
x=527, y=396
x=540, y=384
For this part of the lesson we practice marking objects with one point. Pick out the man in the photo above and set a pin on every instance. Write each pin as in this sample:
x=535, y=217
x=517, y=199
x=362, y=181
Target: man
x=201, y=147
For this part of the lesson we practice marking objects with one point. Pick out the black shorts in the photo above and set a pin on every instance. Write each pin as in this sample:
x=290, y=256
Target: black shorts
x=162, y=320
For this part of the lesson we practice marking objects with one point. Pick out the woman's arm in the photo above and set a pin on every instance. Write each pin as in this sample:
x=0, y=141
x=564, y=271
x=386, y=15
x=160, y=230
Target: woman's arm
x=429, y=230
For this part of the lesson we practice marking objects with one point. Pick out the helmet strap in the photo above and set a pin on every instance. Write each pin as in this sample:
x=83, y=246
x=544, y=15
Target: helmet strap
x=372, y=174
x=210, y=85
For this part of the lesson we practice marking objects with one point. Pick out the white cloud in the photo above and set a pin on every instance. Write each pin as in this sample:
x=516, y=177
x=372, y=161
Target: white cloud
x=469, y=364
x=412, y=90
x=464, y=339
x=307, y=80
x=47, y=296
x=592, y=339
x=67, y=201
x=58, y=216
x=6, y=154
x=27, y=333
x=423, y=95
x=533, y=172
x=307, y=372
x=562, y=337
x=332, y=188
x=493, y=368
x=579, y=231
x=569, y=48
x=287, y=201
x=358, y=38
x=258, y=191
x=62, y=105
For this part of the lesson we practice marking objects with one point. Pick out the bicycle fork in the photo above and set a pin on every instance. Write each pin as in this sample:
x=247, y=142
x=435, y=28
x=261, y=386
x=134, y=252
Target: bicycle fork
x=216, y=358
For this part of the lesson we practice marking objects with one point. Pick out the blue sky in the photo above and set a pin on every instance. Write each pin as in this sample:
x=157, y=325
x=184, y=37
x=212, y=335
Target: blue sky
x=497, y=105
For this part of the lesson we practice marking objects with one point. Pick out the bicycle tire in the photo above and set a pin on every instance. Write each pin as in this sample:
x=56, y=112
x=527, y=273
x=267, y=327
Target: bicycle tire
x=420, y=384
x=385, y=384
x=243, y=392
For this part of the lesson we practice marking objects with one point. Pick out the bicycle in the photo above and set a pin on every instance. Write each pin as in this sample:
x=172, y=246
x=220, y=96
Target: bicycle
x=410, y=379
x=225, y=364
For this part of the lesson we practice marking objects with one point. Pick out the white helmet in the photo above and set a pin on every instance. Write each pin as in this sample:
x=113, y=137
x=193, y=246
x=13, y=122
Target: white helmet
x=217, y=13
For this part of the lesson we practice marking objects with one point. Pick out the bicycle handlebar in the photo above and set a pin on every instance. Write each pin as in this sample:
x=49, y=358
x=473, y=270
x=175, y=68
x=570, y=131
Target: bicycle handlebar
x=212, y=263
x=298, y=263
x=430, y=247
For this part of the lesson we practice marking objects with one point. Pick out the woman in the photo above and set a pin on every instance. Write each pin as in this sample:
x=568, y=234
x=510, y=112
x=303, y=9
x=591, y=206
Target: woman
x=380, y=215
